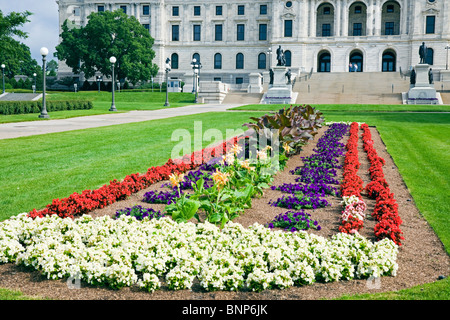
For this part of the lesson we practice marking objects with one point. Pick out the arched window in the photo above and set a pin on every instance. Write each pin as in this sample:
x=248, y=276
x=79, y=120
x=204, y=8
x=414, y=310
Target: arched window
x=239, y=61
x=357, y=19
x=196, y=56
x=356, y=57
x=325, y=20
x=262, y=61
x=390, y=18
x=217, y=61
x=324, y=62
x=174, y=61
x=430, y=56
x=388, y=61
x=288, y=57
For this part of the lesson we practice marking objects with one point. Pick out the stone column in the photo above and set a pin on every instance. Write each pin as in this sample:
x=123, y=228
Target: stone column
x=377, y=18
x=370, y=18
x=337, y=19
x=403, y=18
x=312, y=18
x=344, y=15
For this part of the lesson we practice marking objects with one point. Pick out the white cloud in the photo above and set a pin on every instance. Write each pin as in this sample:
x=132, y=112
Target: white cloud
x=43, y=28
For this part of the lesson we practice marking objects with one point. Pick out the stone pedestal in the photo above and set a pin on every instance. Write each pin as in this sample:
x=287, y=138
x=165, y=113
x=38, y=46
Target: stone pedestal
x=255, y=83
x=422, y=92
x=279, y=92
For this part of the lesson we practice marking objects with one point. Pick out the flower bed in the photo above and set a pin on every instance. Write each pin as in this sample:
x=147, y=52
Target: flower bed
x=386, y=207
x=152, y=252
x=315, y=181
x=143, y=247
x=81, y=203
x=352, y=218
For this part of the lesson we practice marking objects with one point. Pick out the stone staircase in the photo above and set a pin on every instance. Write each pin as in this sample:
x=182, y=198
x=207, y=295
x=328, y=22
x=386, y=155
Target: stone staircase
x=242, y=97
x=352, y=88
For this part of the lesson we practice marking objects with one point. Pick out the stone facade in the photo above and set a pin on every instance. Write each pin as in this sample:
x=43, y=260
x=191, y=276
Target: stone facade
x=234, y=39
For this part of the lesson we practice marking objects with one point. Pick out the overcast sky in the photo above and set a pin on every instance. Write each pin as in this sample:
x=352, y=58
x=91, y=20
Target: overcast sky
x=43, y=28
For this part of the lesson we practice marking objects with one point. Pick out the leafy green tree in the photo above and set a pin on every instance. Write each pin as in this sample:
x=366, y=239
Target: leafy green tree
x=52, y=68
x=15, y=55
x=88, y=49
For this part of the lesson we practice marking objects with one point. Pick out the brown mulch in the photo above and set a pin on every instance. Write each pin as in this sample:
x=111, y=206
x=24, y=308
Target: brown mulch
x=421, y=259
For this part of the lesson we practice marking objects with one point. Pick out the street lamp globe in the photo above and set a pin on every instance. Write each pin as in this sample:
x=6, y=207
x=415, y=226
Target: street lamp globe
x=3, y=66
x=112, y=59
x=44, y=51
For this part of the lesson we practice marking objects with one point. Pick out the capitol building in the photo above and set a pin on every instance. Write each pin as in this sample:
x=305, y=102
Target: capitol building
x=236, y=38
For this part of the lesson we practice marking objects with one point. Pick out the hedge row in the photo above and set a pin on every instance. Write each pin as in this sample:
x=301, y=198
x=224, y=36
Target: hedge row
x=21, y=107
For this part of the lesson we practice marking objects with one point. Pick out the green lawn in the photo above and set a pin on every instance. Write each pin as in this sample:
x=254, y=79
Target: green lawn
x=353, y=108
x=34, y=170
x=124, y=101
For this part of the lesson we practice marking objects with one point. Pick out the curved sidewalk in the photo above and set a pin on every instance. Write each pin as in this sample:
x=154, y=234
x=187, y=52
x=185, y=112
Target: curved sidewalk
x=29, y=128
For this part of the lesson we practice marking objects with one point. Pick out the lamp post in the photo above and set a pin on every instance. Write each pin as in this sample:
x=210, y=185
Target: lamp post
x=446, y=61
x=34, y=86
x=44, y=114
x=113, y=105
x=196, y=66
x=3, y=77
x=168, y=68
x=269, y=53
x=99, y=79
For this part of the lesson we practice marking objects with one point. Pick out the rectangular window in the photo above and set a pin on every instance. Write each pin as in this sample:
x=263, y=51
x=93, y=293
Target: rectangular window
x=146, y=10
x=219, y=10
x=197, y=10
x=431, y=22
x=288, y=28
x=326, y=30
x=197, y=32
x=175, y=11
x=218, y=32
x=357, y=29
x=390, y=8
x=175, y=33
x=124, y=8
x=263, y=32
x=76, y=12
x=263, y=9
x=100, y=8
x=217, y=79
x=389, y=28
x=240, y=32
x=147, y=26
x=326, y=10
x=239, y=80
x=241, y=10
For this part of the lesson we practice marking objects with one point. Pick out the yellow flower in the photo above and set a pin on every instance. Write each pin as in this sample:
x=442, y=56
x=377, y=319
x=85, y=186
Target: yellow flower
x=261, y=155
x=286, y=147
x=246, y=165
x=236, y=149
x=176, y=179
x=220, y=178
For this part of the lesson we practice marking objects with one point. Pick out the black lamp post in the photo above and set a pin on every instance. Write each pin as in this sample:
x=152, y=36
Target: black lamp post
x=3, y=77
x=34, y=86
x=446, y=61
x=168, y=68
x=196, y=66
x=99, y=79
x=44, y=114
x=113, y=84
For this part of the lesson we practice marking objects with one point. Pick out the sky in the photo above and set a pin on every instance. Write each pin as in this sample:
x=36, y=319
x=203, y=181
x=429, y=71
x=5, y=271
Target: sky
x=43, y=28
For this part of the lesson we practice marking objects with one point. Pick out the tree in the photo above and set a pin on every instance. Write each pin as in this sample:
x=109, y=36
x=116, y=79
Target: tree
x=15, y=55
x=88, y=49
x=52, y=68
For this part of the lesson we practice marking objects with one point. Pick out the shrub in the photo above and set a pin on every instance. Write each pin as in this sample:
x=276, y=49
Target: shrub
x=23, y=107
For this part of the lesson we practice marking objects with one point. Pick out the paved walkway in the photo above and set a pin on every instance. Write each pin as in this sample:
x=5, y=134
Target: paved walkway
x=29, y=128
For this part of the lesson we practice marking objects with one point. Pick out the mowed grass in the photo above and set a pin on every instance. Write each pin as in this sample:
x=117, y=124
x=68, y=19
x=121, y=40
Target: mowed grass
x=34, y=170
x=125, y=101
x=352, y=108
x=420, y=147
x=37, y=169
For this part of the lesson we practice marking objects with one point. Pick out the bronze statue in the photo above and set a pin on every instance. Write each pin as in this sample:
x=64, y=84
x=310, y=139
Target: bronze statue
x=430, y=76
x=413, y=77
x=288, y=76
x=423, y=53
x=280, y=57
